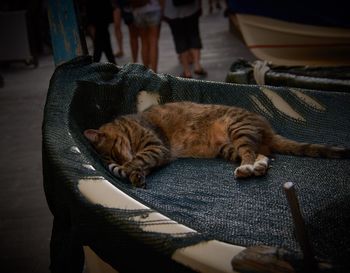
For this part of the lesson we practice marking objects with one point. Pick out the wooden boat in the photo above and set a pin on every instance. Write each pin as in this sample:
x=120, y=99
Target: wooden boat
x=286, y=43
x=294, y=33
x=193, y=216
x=166, y=228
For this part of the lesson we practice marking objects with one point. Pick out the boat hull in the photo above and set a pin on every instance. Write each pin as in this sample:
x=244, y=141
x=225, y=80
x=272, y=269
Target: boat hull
x=285, y=43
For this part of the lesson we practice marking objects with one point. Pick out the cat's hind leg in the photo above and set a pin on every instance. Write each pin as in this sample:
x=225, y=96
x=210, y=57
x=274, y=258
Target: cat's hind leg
x=246, y=169
x=246, y=138
x=228, y=152
x=249, y=166
x=258, y=168
x=261, y=165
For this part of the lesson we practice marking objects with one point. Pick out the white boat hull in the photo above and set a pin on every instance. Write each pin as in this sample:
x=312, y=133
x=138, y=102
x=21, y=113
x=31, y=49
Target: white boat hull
x=286, y=43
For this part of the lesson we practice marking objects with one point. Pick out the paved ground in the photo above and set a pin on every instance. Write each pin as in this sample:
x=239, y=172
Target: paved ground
x=25, y=223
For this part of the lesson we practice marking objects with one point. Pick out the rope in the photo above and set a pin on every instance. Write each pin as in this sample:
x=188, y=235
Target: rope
x=260, y=69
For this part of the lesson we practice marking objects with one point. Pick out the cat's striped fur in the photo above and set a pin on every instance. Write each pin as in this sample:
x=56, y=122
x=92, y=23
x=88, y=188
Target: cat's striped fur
x=133, y=145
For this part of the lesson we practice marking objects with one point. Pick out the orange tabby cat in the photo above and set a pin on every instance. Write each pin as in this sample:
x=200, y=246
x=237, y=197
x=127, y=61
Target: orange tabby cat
x=133, y=145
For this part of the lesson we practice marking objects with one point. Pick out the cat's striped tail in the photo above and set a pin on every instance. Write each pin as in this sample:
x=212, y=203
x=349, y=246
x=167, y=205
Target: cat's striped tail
x=287, y=146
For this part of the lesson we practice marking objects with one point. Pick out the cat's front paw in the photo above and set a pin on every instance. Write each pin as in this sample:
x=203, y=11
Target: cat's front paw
x=136, y=177
x=260, y=167
x=244, y=171
x=117, y=170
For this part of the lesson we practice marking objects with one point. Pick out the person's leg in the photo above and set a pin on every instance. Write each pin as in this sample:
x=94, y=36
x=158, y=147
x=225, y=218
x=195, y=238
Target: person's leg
x=140, y=21
x=134, y=41
x=144, y=46
x=153, y=22
x=198, y=68
x=153, y=38
x=178, y=31
x=118, y=31
x=210, y=6
x=195, y=43
x=96, y=57
x=106, y=44
x=184, y=58
x=97, y=43
x=218, y=4
x=196, y=54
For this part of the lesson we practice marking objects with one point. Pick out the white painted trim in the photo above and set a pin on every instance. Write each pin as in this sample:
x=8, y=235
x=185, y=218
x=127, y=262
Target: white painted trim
x=94, y=264
x=209, y=257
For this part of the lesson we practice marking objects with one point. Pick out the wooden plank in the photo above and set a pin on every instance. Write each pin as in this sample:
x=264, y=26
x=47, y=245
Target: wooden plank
x=300, y=229
x=67, y=37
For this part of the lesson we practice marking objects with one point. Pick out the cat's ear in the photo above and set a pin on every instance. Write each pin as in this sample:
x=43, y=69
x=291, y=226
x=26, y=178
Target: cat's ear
x=94, y=136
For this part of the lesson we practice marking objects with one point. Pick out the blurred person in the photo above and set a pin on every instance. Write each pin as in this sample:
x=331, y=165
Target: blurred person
x=211, y=5
x=117, y=16
x=99, y=16
x=147, y=18
x=183, y=19
x=128, y=18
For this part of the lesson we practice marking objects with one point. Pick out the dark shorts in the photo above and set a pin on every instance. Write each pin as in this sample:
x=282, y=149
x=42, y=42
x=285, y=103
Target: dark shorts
x=148, y=19
x=185, y=33
x=115, y=4
x=127, y=16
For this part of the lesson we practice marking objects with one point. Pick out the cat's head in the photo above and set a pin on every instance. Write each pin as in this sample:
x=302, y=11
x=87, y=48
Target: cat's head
x=112, y=145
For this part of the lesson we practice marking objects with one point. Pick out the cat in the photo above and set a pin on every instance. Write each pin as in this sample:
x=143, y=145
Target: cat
x=133, y=145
